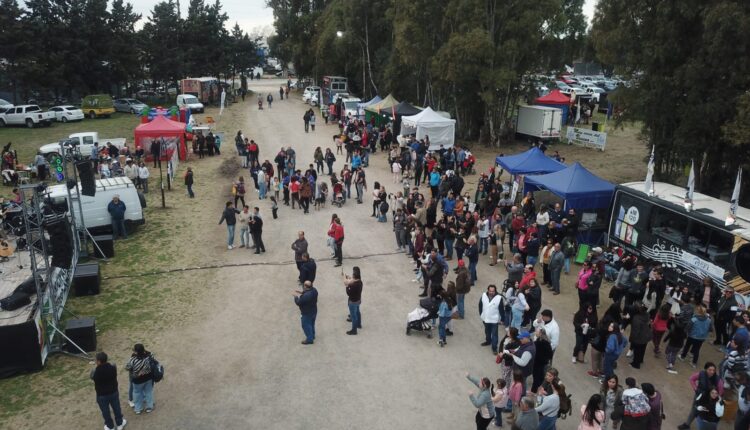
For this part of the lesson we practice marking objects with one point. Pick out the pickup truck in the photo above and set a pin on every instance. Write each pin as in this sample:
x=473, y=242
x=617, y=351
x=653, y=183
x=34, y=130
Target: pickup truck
x=28, y=115
x=85, y=142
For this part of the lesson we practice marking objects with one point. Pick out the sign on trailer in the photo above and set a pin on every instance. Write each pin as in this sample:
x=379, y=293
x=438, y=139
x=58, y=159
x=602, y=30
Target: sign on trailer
x=585, y=137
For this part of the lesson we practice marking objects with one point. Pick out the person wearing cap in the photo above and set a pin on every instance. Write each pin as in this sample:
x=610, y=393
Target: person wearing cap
x=489, y=311
x=523, y=356
x=548, y=323
x=116, y=209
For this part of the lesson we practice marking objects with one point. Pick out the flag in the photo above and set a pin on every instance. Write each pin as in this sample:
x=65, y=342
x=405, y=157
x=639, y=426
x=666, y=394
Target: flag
x=734, y=202
x=578, y=112
x=690, y=187
x=648, y=184
x=223, y=100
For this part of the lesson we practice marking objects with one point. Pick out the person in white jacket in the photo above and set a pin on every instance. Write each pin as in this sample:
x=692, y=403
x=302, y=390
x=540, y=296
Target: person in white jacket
x=489, y=311
x=550, y=326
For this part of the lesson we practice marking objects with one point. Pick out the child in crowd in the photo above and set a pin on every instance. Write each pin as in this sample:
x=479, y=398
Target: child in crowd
x=500, y=401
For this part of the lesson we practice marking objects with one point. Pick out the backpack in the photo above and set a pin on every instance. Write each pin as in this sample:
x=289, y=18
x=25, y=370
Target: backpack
x=565, y=406
x=157, y=370
x=637, y=405
x=384, y=207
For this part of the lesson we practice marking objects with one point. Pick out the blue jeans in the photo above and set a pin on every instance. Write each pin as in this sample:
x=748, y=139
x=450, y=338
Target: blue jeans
x=190, y=191
x=356, y=317
x=609, y=362
x=118, y=229
x=441, y=327
x=460, y=304
x=505, y=315
x=348, y=190
x=143, y=393
x=262, y=189
x=473, y=271
x=113, y=401
x=567, y=264
x=490, y=334
x=532, y=259
x=547, y=423
x=449, y=248
x=308, y=326
x=555, y=278
x=706, y=425
x=499, y=416
x=230, y=234
x=245, y=235
x=517, y=317
x=483, y=244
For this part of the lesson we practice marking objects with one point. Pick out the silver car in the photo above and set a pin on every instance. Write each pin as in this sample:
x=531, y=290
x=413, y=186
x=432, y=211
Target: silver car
x=129, y=105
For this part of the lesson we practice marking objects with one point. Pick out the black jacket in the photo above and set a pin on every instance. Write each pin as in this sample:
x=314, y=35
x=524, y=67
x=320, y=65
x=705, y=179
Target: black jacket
x=307, y=271
x=105, y=379
x=256, y=224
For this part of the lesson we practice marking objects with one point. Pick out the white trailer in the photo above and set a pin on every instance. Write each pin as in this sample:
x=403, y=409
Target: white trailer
x=540, y=122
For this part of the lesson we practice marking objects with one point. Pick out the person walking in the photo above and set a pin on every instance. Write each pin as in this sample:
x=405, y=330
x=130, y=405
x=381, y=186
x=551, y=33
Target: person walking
x=702, y=382
x=616, y=342
x=244, y=218
x=700, y=325
x=482, y=401
x=312, y=120
x=299, y=246
x=307, y=301
x=104, y=376
x=445, y=312
x=140, y=370
x=189, y=182
x=116, y=209
x=269, y=99
x=309, y=269
x=306, y=119
x=143, y=175
x=239, y=190
x=353, y=287
x=230, y=216
x=256, y=231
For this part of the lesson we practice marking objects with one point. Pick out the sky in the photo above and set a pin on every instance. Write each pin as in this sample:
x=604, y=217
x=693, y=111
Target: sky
x=255, y=18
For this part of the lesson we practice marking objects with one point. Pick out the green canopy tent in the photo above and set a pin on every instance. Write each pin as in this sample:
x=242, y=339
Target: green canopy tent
x=379, y=109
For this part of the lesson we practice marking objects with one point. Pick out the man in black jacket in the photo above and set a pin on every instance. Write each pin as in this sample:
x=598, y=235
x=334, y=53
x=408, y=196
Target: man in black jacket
x=307, y=300
x=256, y=231
x=107, y=395
x=230, y=216
x=308, y=268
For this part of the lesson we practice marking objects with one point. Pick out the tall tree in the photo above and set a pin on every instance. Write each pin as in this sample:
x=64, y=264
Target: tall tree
x=159, y=36
x=14, y=44
x=125, y=50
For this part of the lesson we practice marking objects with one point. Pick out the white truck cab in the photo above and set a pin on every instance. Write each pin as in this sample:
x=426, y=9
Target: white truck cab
x=191, y=102
x=84, y=141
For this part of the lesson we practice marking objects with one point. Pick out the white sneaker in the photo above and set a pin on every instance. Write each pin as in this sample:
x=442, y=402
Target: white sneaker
x=107, y=428
x=230, y=247
x=629, y=354
x=672, y=371
x=131, y=404
x=574, y=360
x=122, y=426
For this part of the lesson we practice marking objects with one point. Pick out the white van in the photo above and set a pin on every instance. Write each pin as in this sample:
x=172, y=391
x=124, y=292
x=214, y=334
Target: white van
x=95, y=214
x=190, y=101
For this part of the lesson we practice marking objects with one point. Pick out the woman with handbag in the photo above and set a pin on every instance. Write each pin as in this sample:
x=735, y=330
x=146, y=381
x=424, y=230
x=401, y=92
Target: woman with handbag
x=140, y=370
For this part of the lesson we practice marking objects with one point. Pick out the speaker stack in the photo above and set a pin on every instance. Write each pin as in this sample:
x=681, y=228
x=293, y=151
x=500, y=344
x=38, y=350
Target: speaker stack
x=87, y=279
x=82, y=331
x=86, y=175
x=106, y=244
x=61, y=243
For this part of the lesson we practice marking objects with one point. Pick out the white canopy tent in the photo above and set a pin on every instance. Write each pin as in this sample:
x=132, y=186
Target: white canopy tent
x=442, y=131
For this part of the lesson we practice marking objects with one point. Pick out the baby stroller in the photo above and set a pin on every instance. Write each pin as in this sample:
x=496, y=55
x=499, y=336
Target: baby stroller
x=337, y=197
x=419, y=318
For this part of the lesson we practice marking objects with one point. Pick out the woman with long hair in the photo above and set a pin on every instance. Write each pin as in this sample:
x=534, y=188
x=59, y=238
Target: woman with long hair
x=542, y=358
x=616, y=342
x=611, y=395
x=482, y=401
x=592, y=415
x=509, y=342
x=549, y=407
x=584, y=325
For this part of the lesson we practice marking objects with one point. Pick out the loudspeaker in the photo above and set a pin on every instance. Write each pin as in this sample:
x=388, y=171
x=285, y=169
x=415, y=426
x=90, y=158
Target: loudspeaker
x=82, y=331
x=26, y=287
x=61, y=243
x=106, y=244
x=86, y=175
x=15, y=301
x=87, y=279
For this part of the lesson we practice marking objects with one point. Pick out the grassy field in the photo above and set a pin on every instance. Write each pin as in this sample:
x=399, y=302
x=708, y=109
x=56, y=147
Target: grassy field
x=26, y=141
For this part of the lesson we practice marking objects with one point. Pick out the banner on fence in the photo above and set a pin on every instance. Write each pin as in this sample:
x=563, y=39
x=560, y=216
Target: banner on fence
x=584, y=137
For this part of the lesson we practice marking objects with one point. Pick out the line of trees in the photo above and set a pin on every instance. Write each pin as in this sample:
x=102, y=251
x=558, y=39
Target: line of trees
x=468, y=57
x=64, y=47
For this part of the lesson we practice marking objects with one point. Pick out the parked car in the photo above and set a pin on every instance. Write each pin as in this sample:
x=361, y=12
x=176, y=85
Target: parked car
x=595, y=93
x=28, y=115
x=191, y=102
x=145, y=94
x=5, y=104
x=309, y=93
x=129, y=105
x=67, y=113
x=97, y=105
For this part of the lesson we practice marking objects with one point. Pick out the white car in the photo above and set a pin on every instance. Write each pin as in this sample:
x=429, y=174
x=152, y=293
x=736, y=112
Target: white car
x=5, y=104
x=596, y=93
x=309, y=92
x=67, y=113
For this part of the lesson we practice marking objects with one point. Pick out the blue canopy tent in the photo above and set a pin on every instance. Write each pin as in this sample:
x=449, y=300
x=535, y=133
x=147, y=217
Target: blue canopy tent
x=583, y=191
x=361, y=106
x=531, y=162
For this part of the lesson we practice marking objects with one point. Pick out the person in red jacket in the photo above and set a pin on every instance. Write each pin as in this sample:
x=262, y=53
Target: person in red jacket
x=337, y=232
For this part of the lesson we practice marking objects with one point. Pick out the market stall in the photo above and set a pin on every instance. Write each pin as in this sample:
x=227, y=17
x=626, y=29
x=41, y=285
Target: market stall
x=170, y=133
x=441, y=130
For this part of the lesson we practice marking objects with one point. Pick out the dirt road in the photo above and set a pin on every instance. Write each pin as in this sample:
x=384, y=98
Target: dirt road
x=236, y=362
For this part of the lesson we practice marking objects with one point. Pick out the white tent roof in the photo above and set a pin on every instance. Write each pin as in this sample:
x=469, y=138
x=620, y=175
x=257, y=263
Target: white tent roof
x=442, y=131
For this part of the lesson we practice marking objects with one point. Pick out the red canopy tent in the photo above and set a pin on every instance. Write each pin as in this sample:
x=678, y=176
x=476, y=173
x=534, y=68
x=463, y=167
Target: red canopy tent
x=555, y=99
x=172, y=132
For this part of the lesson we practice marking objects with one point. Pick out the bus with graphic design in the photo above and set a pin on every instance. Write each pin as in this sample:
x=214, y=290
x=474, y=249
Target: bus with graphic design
x=691, y=244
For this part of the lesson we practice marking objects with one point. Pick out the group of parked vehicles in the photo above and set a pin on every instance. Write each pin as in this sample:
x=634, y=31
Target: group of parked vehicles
x=595, y=87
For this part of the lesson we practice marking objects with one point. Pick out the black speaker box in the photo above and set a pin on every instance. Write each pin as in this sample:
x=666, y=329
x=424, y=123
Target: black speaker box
x=26, y=287
x=15, y=301
x=86, y=175
x=82, y=331
x=87, y=279
x=61, y=244
x=106, y=244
